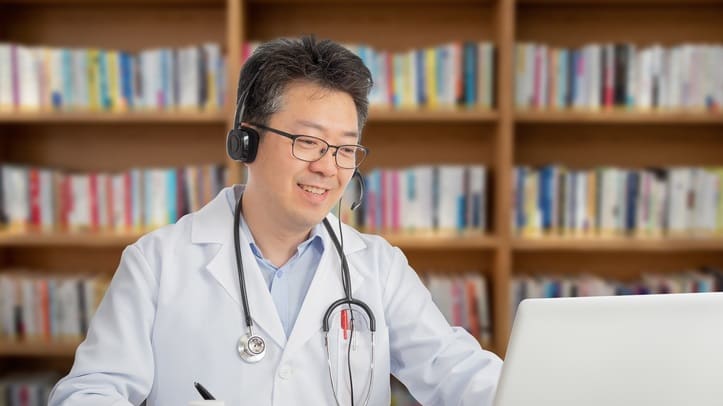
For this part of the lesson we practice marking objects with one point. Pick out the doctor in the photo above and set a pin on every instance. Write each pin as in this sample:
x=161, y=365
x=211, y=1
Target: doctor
x=174, y=312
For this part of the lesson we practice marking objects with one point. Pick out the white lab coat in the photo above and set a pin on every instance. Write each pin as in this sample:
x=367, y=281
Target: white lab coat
x=172, y=316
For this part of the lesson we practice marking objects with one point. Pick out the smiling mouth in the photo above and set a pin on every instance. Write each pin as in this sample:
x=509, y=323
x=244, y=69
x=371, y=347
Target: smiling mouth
x=313, y=189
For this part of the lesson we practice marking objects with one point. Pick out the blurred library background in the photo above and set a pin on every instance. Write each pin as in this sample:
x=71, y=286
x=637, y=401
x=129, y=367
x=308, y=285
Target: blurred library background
x=520, y=148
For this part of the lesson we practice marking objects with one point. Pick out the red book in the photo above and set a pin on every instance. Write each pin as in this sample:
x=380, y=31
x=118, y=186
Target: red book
x=34, y=179
x=109, y=200
x=94, y=212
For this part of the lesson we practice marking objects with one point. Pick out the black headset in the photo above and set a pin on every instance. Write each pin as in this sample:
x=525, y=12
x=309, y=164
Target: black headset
x=242, y=142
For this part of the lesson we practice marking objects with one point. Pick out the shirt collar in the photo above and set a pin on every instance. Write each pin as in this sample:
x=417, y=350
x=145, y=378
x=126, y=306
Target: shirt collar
x=314, y=237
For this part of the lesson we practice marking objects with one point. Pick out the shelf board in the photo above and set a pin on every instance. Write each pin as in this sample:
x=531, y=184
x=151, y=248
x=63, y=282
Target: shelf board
x=378, y=114
x=652, y=3
x=219, y=117
x=629, y=244
x=442, y=241
x=38, y=348
x=79, y=239
x=109, y=239
x=617, y=117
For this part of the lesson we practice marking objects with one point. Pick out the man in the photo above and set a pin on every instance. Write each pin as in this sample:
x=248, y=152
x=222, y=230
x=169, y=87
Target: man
x=174, y=312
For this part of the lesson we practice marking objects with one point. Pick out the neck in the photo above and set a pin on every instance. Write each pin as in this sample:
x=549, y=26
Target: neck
x=276, y=240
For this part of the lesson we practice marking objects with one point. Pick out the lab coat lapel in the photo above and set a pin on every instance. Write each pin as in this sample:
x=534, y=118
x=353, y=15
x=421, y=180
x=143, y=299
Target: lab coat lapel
x=214, y=224
x=326, y=286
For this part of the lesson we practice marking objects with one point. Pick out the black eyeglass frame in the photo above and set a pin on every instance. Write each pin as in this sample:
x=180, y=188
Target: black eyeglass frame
x=294, y=137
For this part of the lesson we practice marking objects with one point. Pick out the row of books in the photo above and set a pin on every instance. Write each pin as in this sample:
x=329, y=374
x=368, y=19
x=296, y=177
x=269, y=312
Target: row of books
x=27, y=389
x=91, y=79
x=421, y=199
x=448, y=75
x=596, y=76
x=691, y=281
x=464, y=301
x=33, y=198
x=44, y=307
x=676, y=201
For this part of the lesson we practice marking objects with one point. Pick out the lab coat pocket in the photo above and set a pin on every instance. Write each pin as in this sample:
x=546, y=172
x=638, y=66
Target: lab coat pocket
x=351, y=345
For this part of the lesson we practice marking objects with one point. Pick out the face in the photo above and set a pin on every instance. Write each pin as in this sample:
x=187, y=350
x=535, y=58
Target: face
x=300, y=194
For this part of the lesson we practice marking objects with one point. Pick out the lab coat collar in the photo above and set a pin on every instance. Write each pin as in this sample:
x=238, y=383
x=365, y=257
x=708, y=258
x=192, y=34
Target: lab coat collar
x=213, y=224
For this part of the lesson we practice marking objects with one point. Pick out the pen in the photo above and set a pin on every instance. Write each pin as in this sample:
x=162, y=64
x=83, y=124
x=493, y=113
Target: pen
x=204, y=393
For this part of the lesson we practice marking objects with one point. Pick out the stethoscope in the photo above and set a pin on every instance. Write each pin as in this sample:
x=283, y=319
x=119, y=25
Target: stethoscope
x=252, y=348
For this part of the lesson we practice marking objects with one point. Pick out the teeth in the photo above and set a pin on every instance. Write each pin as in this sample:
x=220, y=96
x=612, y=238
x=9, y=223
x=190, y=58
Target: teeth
x=314, y=190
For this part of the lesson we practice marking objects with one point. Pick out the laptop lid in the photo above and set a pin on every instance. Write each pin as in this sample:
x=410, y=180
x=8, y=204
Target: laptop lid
x=616, y=350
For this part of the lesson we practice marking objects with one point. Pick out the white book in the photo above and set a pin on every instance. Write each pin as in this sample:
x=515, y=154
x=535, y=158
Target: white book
x=450, y=210
x=79, y=217
x=423, y=197
x=80, y=79
x=8, y=301
x=17, y=195
x=411, y=77
x=213, y=54
x=544, y=83
x=27, y=289
x=594, y=77
x=47, y=193
x=55, y=71
x=119, y=206
x=102, y=201
x=632, y=76
x=678, y=183
x=28, y=79
x=6, y=77
x=674, y=74
x=580, y=201
x=519, y=75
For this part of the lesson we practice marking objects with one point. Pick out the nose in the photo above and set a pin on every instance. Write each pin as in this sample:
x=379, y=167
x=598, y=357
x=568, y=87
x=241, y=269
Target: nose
x=325, y=166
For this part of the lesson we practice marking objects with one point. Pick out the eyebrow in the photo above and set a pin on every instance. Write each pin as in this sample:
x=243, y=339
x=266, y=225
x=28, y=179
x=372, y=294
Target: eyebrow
x=322, y=128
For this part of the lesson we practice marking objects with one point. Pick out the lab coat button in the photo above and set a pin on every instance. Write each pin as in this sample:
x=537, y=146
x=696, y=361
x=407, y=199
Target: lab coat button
x=285, y=372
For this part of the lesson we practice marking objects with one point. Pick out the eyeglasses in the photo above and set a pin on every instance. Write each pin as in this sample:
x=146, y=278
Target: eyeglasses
x=310, y=149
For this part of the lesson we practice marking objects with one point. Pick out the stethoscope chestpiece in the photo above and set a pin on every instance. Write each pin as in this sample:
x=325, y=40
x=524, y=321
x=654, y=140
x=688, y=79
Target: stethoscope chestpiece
x=252, y=349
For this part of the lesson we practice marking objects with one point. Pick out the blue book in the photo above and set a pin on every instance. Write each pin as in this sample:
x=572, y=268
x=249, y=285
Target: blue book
x=470, y=74
x=631, y=198
x=66, y=61
x=126, y=76
x=103, y=85
x=520, y=197
x=421, y=78
x=171, y=198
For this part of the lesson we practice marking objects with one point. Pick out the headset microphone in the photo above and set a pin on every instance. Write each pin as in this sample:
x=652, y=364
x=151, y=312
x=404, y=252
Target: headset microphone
x=359, y=179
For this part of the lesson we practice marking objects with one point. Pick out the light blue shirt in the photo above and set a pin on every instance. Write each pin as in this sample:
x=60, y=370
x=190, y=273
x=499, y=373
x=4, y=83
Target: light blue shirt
x=289, y=282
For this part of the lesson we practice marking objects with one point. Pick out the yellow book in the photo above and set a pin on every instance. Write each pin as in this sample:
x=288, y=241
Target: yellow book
x=532, y=212
x=93, y=79
x=430, y=74
x=114, y=82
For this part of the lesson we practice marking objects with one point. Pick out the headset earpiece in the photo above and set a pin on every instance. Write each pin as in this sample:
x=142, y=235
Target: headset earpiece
x=242, y=144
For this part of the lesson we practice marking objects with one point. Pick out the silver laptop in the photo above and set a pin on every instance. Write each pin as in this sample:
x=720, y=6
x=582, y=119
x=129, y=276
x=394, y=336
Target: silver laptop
x=623, y=350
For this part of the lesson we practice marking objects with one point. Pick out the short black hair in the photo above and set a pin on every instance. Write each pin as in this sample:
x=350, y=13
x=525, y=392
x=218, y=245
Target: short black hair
x=286, y=60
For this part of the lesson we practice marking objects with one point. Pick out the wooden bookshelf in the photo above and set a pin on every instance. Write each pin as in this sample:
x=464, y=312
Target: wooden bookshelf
x=38, y=349
x=378, y=115
x=78, y=239
x=617, y=244
x=618, y=117
x=219, y=117
x=500, y=139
